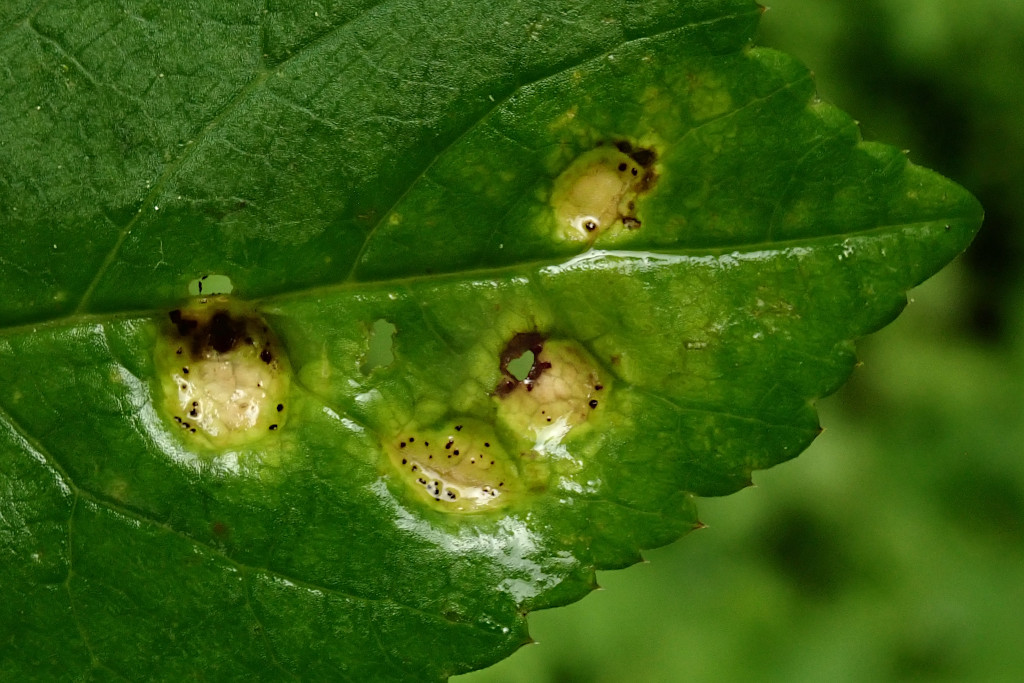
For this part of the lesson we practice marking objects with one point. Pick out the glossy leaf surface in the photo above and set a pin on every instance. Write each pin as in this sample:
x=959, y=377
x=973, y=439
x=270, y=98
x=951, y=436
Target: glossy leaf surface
x=405, y=200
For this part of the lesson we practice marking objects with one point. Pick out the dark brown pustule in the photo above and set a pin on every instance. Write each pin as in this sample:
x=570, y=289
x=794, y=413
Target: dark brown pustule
x=644, y=157
x=224, y=331
x=185, y=325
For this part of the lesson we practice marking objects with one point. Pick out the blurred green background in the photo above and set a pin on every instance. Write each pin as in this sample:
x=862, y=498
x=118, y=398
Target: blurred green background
x=893, y=549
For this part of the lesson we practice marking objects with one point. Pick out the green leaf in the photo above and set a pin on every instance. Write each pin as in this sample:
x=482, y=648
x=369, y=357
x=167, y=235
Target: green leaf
x=604, y=255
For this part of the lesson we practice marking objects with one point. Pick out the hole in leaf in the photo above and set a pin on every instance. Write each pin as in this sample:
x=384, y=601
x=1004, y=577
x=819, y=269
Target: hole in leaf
x=381, y=346
x=211, y=284
x=520, y=367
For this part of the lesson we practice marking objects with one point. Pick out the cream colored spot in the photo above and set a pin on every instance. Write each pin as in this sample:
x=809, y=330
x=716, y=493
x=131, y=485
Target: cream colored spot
x=565, y=392
x=597, y=194
x=460, y=469
x=225, y=380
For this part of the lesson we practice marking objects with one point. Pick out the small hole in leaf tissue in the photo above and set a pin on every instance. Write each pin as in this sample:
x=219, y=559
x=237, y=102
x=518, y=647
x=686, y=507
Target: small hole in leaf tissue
x=520, y=367
x=380, y=346
x=210, y=285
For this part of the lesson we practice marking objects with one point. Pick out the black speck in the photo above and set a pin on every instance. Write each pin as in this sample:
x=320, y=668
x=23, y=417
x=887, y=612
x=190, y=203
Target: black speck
x=404, y=461
x=266, y=356
x=273, y=427
x=414, y=468
x=185, y=370
x=193, y=413
x=192, y=430
x=426, y=443
x=280, y=407
x=179, y=350
x=449, y=444
x=177, y=419
x=411, y=439
x=598, y=387
x=401, y=445
x=455, y=452
x=458, y=428
x=422, y=480
x=593, y=403
x=487, y=444
x=633, y=171
x=186, y=425
x=623, y=166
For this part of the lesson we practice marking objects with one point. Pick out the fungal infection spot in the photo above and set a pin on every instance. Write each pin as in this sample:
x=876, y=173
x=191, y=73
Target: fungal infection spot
x=597, y=194
x=562, y=388
x=458, y=468
x=224, y=378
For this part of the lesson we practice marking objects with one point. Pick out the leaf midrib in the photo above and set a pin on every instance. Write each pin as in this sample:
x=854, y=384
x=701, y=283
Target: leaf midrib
x=487, y=273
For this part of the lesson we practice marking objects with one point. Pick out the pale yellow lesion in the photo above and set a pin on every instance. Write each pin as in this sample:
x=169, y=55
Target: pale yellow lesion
x=225, y=379
x=462, y=468
x=597, y=194
x=223, y=395
x=564, y=390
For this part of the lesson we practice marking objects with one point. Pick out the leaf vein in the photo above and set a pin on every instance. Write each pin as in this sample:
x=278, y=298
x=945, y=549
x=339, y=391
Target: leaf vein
x=169, y=172
x=499, y=102
x=23, y=20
